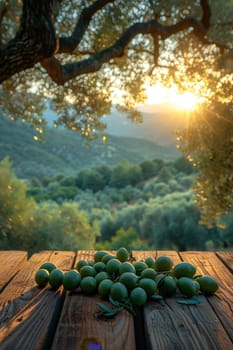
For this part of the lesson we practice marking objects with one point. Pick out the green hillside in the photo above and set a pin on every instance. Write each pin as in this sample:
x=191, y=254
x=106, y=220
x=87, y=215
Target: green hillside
x=67, y=152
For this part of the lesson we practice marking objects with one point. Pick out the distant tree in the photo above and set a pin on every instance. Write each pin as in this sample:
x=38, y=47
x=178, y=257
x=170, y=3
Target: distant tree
x=86, y=200
x=135, y=174
x=161, y=189
x=93, y=180
x=61, y=227
x=131, y=193
x=181, y=164
x=90, y=179
x=62, y=193
x=59, y=177
x=46, y=180
x=68, y=181
x=149, y=169
x=187, y=182
x=105, y=172
x=172, y=222
x=35, y=182
x=15, y=209
x=121, y=176
x=81, y=178
x=27, y=225
x=124, y=238
x=164, y=174
x=108, y=227
x=130, y=216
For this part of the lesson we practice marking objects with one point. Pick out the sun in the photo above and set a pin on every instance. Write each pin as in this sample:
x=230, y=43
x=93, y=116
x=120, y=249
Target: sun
x=158, y=94
x=187, y=101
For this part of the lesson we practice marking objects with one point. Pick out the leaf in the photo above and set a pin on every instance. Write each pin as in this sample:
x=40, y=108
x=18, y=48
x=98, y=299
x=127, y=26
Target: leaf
x=107, y=312
x=156, y=297
x=188, y=301
x=113, y=302
x=129, y=308
x=104, y=307
x=112, y=313
x=126, y=305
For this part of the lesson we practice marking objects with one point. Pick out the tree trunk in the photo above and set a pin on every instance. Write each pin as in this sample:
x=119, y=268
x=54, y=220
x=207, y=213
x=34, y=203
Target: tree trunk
x=34, y=41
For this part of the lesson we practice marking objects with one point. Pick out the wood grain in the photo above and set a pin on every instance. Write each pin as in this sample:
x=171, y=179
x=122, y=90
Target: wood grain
x=142, y=254
x=10, y=263
x=170, y=325
x=222, y=302
x=227, y=259
x=78, y=326
x=43, y=319
x=29, y=314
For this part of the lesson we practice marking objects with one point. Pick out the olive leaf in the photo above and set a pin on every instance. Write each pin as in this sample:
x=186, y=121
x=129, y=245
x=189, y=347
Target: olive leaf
x=114, y=302
x=107, y=312
x=113, y=313
x=156, y=297
x=188, y=301
x=126, y=305
x=104, y=307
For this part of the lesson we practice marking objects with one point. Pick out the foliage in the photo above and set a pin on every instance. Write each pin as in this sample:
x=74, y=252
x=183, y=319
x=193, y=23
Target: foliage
x=122, y=44
x=61, y=227
x=173, y=221
x=147, y=214
x=87, y=53
x=124, y=238
x=150, y=212
x=27, y=225
x=124, y=176
x=15, y=213
x=209, y=147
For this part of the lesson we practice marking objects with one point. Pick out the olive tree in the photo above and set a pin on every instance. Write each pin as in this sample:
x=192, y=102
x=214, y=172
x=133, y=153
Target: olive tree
x=78, y=53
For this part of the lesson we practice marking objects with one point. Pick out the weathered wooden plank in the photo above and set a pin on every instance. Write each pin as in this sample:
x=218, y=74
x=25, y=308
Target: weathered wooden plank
x=170, y=325
x=11, y=262
x=29, y=314
x=222, y=303
x=141, y=254
x=227, y=259
x=78, y=327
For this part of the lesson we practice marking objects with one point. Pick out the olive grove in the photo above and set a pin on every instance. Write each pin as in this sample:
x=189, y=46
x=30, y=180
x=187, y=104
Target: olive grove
x=81, y=57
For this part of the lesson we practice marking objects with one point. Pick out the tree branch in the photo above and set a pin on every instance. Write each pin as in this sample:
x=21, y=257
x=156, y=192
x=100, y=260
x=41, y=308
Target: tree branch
x=70, y=43
x=63, y=73
x=36, y=41
x=206, y=13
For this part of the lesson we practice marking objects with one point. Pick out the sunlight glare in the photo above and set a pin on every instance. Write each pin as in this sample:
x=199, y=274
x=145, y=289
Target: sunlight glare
x=187, y=101
x=158, y=94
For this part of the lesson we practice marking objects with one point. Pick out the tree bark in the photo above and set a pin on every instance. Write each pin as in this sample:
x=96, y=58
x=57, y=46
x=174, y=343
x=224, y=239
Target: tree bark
x=34, y=41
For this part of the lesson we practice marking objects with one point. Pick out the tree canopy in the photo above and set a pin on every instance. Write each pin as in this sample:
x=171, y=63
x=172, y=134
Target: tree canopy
x=26, y=225
x=83, y=56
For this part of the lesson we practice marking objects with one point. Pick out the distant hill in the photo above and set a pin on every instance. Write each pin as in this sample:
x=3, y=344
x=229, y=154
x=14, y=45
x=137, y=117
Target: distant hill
x=158, y=125
x=66, y=152
x=160, y=122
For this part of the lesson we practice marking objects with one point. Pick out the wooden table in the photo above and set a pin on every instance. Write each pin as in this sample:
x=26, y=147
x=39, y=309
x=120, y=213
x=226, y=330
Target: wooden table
x=39, y=319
